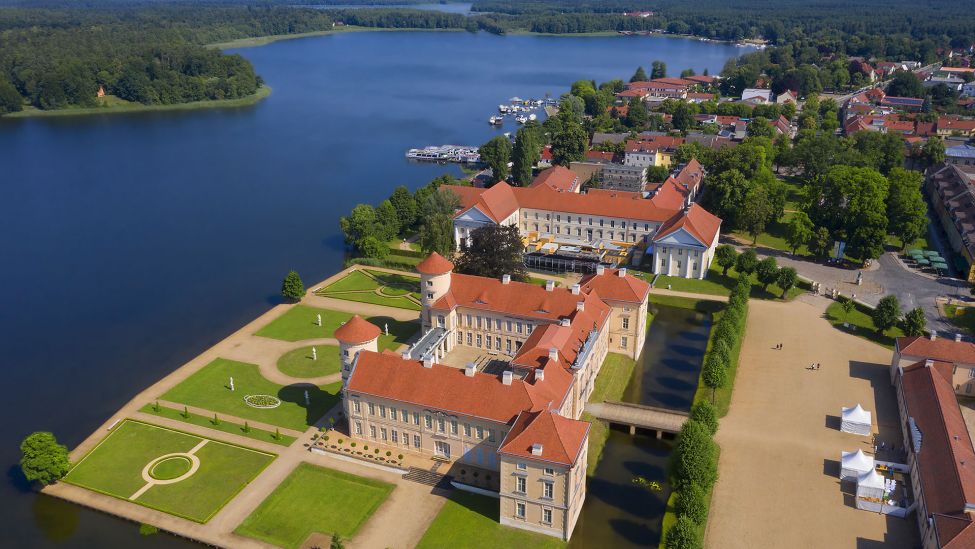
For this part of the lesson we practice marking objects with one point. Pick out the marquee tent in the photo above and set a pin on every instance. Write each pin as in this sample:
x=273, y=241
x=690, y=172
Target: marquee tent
x=855, y=420
x=870, y=485
x=854, y=464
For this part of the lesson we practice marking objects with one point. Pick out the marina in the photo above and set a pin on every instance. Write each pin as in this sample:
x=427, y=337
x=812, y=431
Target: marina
x=461, y=154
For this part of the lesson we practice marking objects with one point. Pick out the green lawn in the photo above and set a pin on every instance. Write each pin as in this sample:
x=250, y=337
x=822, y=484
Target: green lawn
x=963, y=317
x=361, y=286
x=209, y=389
x=470, y=521
x=612, y=380
x=717, y=283
x=223, y=425
x=774, y=236
x=860, y=318
x=354, y=281
x=114, y=467
x=300, y=323
x=299, y=362
x=314, y=499
x=700, y=305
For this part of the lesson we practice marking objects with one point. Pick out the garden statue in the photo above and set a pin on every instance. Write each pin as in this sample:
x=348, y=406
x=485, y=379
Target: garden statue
x=318, y=319
x=314, y=353
x=307, y=398
x=386, y=328
x=231, y=383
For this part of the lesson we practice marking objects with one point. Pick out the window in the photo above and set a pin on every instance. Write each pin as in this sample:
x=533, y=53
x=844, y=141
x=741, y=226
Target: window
x=601, y=222
x=547, y=490
x=550, y=471
x=623, y=342
x=358, y=427
x=680, y=251
x=467, y=429
x=478, y=340
x=356, y=407
x=508, y=325
x=522, y=467
x=416, y=441
x=491, y=435
x=646, y=227
x=971, y=373
x=429, y=295
x=507, y=345
x=460, y=338
x=520, y=486
x=520, y=510
x=372, y=409
x=469, y=341
x=395, y=437
x=392, y=413
x=453, y=426
x=590, y=221
x=612, y=223
x=497, y=324
x=558, y=217
x=372, y=431
x=441, y=424
x=497, y=343
x=416, y=418
x=480, y=432
x=469, y=321
x=626, y=323
x=519, y=327
x=428, y=421
x=382, y=410
x=406, y=416
x=440, y=321
x=547, y=516
x=406, y=439
x=382, y=433
x=478, y=323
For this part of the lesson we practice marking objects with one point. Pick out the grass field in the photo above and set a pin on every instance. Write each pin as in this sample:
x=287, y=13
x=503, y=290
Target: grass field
x=299, y=363
x=314, y=499
x=114, y=467
x=209, y=389
x=963, y=317
x=470, y=521
x=700, y=305
x=860, y=319
x=223, y=425
x=717, y=283
x=300, y=323
x=399, y=291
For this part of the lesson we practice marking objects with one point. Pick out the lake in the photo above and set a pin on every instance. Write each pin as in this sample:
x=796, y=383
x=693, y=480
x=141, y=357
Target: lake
x=131, y=243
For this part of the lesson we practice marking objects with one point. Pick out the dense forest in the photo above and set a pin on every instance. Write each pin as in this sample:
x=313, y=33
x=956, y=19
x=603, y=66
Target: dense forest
x=55, y=53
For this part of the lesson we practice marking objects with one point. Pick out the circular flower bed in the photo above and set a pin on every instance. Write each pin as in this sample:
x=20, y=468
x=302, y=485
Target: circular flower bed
x=262, y=401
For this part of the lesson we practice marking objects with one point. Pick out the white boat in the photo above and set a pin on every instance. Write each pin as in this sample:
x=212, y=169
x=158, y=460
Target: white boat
x=496, y=120
x=521, y=119
x=503, y=109
x=532, y=116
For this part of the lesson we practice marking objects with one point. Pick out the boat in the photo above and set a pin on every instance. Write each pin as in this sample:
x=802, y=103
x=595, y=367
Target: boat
x=503, y=109
x=521, y=119
x=445, y=153
x=532, y=116
x=496, y=120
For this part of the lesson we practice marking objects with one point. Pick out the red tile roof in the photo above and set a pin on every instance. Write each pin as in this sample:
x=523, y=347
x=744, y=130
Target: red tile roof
x=669, y=195
x=653, y=143
x=434, y=264
x=498, y=202
x=567, y=340
x=697, y=221
x=562, y=439
x=600, y=156
x=613, y=287
x=943, y=349
x=702, y=79
x=357, y=330
x=558, y=178
x=946, y=458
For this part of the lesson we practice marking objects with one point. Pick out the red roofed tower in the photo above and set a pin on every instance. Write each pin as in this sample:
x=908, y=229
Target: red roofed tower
x=435, y=273
x=354, y=336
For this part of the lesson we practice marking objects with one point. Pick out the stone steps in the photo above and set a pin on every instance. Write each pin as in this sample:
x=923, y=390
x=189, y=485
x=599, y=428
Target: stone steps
x=429, y=478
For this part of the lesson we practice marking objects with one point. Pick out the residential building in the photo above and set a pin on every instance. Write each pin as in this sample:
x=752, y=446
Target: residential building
x=558, y=178
x=578, y=231
x=624, y=177
x=939, y=453
x=960, y=354
x=757, y=95
x=953, y=125
x=519, y=425
x=961, y=155
x=911, y=104
x=950, y=190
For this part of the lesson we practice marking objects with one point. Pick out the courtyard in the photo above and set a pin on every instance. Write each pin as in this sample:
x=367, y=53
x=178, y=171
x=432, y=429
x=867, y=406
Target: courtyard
x=780, y=442
x=172, y=471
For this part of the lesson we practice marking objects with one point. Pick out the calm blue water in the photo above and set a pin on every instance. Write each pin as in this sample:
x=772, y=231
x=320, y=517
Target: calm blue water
x=131, y=243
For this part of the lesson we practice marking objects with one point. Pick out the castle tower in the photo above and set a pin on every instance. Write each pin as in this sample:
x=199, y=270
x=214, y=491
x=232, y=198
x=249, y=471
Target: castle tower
x=434, y=283
x=354, y=336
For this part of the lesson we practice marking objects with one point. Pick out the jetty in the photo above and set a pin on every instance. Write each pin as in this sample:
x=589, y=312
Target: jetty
x=461, y=154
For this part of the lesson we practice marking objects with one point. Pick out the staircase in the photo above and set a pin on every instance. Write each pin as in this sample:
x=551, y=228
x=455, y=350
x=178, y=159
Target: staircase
x=429, y=478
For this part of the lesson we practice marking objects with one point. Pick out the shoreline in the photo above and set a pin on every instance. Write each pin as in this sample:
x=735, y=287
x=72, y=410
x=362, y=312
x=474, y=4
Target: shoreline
x=131, y=108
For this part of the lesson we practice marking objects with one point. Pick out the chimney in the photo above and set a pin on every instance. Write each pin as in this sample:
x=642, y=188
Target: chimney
x=928, y=363
x=506, y=377
x=428, y=363
x=470, y=369
x=553, y=353
x=537, y=449
x=549, y=285
x=934, y=335
x=576, y=289
x=600, y=269
x=565, y=323
x=957, y=338
x=505, y=278
x=580, y=305
x=539, y=375
x=622, y=272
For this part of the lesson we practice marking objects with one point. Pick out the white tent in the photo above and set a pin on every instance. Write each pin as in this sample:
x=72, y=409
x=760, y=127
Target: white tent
x=856, y=420
x=854, y=464
x=871, y=485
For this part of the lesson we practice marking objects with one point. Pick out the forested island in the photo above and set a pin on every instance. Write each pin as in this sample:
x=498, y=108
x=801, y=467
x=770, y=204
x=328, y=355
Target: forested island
x=58, y=55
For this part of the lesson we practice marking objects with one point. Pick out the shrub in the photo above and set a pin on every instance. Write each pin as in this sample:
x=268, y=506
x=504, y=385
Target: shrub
x=388, y=454
x=353, y=444
x=148, y=529
x=365, y=448
x=216, y=420
x=377, y=451
x=43, y=460
x=692, y=502
x=247, y=427
x=696, y=455
x=705, y=413
x=291, y=287
x=683, y=535
x=341, y=441
x=325, y=438
x=400, y=457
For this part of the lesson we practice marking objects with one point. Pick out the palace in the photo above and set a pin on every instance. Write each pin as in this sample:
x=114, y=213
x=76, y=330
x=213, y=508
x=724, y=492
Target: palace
x=565, y=230
x=497, y=382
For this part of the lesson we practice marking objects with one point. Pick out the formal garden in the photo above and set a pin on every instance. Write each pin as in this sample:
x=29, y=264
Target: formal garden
x=214, y=421
x=171, y=471
x=470, y=521
x=252, y=397
x=315, y=500
x=311, y=361
x=376, y=287
x=301, y=322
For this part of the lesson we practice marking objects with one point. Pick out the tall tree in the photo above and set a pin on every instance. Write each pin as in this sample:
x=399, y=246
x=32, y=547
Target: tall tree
x=798, y=231
x=726, y=256
x=496, y=153
x=821, y=243
x=757, y=212
x=494, y=251
x=524, y=156
x=746, y=262
x=639, y=76
x=658, y=70
x=887, y=314
x=787, y=280
x=914, y=322
x=759, y=127
x=905, y=84
x=853, y=200
x=291, y=287
x=907, y=213
x=359, y=224
x=767, y=272
x=437, y=235
x=43, y=460
x=571, y=143
x=636, y=114
x=405, y=206
x=933, y=151
x=387, y=221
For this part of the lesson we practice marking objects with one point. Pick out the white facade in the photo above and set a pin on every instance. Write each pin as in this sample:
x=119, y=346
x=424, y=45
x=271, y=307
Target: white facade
x=680, y=254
